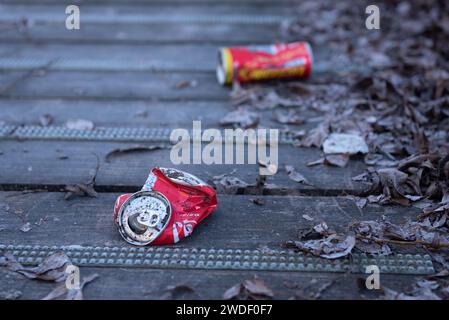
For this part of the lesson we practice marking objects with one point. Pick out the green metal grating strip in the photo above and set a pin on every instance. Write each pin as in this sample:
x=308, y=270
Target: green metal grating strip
x=223, y=259
x=99, y=134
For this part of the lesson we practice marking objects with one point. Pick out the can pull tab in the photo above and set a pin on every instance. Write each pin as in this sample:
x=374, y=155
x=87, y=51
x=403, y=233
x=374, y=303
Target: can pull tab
x=141, y=222
x=149, y=218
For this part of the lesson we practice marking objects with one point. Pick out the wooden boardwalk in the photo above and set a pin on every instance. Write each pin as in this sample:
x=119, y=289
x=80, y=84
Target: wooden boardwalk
x=121, y=70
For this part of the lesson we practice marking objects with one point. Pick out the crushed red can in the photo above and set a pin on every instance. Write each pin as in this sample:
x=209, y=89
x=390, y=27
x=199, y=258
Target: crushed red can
x=257, y=63
x=167, y=209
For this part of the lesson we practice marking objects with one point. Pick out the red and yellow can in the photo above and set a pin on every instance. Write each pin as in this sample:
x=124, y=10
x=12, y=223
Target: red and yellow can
x=258, y=63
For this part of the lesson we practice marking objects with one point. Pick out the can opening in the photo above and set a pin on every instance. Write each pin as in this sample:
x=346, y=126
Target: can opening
x=221, y=73
x=309, y=49
x=135, y=225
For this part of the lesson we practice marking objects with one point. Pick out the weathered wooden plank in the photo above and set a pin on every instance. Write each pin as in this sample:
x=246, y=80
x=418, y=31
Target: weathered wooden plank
x=134, y=33
x=180, y=57
x=91, y=12
x=237, y=223
x=145, y=114
x=7, y=81
x=38, y=163
x=115, y=113
x=165, y=52
x=141, y=58
x=132, y=284
x=152, y=2
x=124, y=85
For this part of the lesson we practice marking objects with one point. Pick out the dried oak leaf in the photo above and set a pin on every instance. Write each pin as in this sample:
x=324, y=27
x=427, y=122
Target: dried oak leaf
x=296, y=176
x=337, y=160
x=413, y=231
x=267, y=168
x=51, y=269
x=73, y=293
x=337, y=143
x=288, y=117
x=80, y=190
x=321, y=228
x=382, y=232
x=26, y=227
x=368, y=233
x=257, y=201
x=435, y=211
x=313, y=290
x=178, y=292
x=186, y=83
x=228, y=184
x=314, y=137
x=45, y=120
x=422, y=290
x=254, y=289
x=373, y=248
x=330, y=247
x=135, y=148
x=84, y=189
x=241, y=118
x=395, y=185
x=272, y=99
x=241, y=95
x=368, y=229
x=307, y=217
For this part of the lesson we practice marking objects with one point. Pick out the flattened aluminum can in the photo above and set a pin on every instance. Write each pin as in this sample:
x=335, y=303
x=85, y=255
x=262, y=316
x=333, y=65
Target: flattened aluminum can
x=258, y=63
x=167, y=209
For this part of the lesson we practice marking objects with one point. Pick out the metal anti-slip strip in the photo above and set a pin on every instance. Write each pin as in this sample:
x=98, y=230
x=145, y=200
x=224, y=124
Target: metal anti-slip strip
x=224, y=259
x=100, y=134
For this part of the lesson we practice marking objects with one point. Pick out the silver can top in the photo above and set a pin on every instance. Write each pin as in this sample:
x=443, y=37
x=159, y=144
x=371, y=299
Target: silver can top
x=143, y=217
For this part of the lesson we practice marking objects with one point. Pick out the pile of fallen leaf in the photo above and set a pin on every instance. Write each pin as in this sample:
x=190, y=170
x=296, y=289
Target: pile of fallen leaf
x=400, y=109
x=382, y=94
x=393, y=108
x=52, y=269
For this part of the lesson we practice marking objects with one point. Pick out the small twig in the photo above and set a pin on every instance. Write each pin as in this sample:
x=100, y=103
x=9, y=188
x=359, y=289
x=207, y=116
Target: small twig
x=415, y=242
x=97, y=168
x=6, y=89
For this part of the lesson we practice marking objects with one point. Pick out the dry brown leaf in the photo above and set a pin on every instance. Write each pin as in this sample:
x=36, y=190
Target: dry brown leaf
x=45, y=120
x=288, y=117
x=254, y=289
x=228, y=184
x=178, y=292
x=26, y=227
x=79, y=190
x=241, y=118
x=132, y=149
x=422, y=290
x=71, y=294
x=295, y=175
x=258, y=201
x=330, y=247
x=51, y=269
